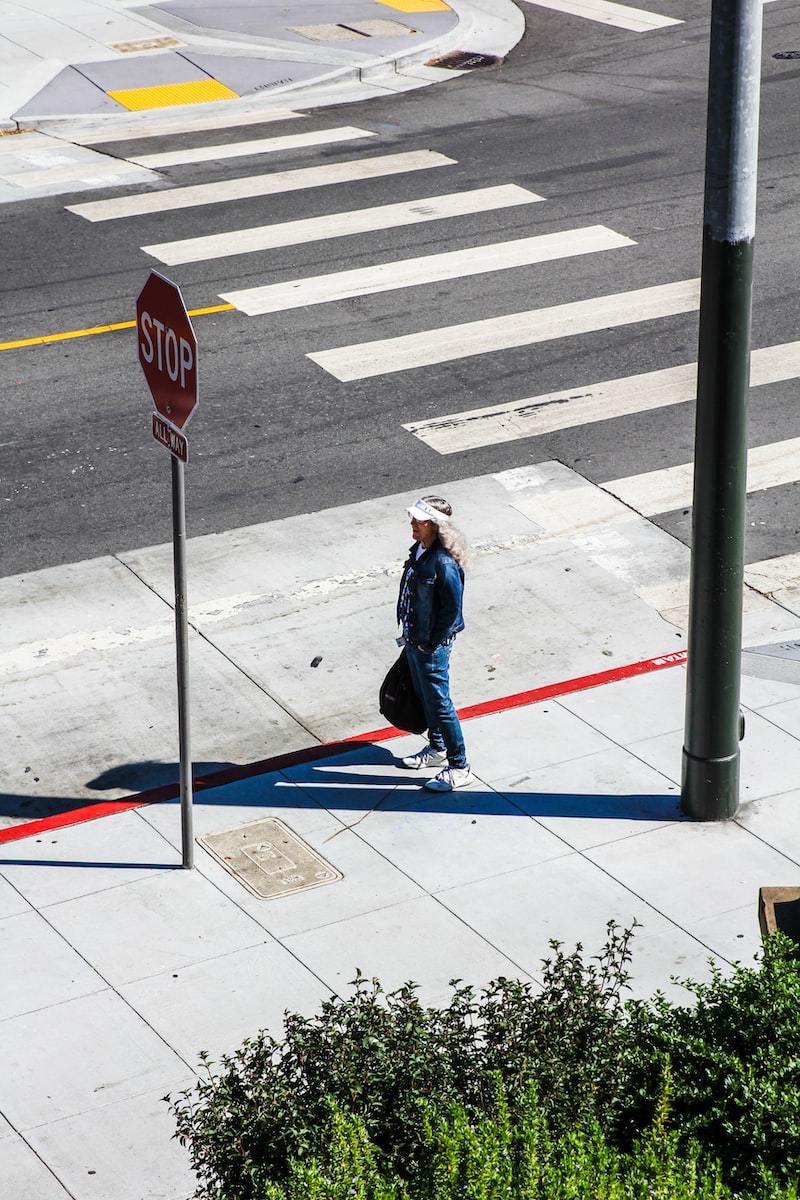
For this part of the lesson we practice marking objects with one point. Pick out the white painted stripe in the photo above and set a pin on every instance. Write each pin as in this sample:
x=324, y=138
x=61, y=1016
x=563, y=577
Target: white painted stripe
x=44, y=653
x=290, y=141
x=260, y=185
x=773, y=465
x=107, y=129
x=582, y=405
x=110, y=170
x=539, y=415
x=655, y=491
x=368, y=359
x=343, y=224
x=432, y=268
x=621, y=15
x=778, y=578
x=663, y=491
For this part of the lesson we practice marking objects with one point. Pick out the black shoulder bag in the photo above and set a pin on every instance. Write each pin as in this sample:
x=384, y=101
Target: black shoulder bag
x=398, y=701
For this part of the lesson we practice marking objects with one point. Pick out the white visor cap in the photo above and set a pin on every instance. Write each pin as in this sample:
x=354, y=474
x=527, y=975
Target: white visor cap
x=422, y=511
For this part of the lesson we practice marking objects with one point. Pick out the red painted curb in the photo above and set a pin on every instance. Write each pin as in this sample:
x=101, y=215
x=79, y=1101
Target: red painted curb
x=170, y=791
x=279, y=762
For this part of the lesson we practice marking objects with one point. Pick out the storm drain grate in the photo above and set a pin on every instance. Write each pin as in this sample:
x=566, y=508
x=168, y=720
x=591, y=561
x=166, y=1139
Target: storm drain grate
x=464, y=60
x=787, y=54
x=269, y=859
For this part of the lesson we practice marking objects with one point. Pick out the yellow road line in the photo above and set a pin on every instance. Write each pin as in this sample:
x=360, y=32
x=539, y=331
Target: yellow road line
x=79, y=333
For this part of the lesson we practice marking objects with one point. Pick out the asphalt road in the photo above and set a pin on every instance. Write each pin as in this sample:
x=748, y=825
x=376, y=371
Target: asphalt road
x=608, y=127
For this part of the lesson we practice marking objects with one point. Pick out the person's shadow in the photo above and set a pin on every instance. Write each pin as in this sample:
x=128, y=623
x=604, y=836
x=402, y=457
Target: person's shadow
x=351, y=783
x=343, y=778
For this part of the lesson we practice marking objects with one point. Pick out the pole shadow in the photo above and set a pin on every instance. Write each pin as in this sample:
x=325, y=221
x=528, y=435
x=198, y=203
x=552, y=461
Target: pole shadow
x=148, y=777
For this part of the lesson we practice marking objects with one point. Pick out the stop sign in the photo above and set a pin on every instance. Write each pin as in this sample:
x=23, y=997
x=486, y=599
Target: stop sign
x=167, y=349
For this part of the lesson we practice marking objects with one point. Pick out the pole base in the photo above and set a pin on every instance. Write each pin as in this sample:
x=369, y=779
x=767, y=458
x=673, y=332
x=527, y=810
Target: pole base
x=710, y=787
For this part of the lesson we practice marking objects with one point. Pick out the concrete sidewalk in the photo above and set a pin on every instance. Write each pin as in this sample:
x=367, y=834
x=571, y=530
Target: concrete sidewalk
x=120, y=968
x=110, y=64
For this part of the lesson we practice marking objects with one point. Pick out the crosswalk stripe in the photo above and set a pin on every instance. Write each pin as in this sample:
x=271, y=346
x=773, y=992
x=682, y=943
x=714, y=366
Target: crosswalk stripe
x=431, y=268
x=260, y=185
x=664, y=491
x=621, y=15
x=583, y=405
x=290, y=141
x=367, y=359
x=342, y=224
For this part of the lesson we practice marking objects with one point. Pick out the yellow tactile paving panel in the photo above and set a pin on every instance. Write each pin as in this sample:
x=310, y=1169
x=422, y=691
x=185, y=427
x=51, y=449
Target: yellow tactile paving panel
x=410, y=6
x=199, y=91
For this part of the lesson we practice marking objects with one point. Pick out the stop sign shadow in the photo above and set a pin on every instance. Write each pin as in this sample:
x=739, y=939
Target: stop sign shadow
x=167, y=349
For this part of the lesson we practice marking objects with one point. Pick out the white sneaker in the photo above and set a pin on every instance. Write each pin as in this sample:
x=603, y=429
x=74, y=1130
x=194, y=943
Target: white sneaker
x=450, y=778
x=426, y=757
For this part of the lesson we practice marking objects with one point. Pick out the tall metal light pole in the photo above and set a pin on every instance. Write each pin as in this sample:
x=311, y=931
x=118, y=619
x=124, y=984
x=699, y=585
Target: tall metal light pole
x=710, y=783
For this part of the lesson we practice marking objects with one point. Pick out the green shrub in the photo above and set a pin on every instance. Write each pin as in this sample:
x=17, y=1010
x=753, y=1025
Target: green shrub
x=733, y=1061
x=571, y=1038
x=499, y=1157
x=384, y=1057
x=349, y=1170
x=395, y=1096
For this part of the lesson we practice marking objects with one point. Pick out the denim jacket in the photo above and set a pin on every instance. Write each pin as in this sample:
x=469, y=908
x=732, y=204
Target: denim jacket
x=430, y=599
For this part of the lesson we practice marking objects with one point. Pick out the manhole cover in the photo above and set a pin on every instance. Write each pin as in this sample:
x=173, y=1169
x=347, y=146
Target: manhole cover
x=777, y=650
x=154, y=43
x=381, y=28
x=347, y=33
x=325, y=33
x=464, y=60
x=787, y=54
x=269, y=859
x=777, y=661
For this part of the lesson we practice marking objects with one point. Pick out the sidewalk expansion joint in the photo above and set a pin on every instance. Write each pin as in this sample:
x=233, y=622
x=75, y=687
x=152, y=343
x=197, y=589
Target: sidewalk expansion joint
x=285, y=708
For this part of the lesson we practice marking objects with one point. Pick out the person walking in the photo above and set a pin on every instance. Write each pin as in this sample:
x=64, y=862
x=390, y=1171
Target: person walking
x=429, y=611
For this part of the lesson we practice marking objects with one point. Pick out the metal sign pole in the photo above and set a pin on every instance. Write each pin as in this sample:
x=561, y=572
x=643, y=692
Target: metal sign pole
x=168, y=357
x=710, y=784
x=182, y=652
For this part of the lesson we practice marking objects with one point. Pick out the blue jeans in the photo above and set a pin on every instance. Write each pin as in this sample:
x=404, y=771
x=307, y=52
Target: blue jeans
x=430, y=675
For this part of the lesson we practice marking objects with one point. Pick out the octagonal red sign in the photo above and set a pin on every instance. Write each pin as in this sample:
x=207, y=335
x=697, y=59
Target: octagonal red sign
x=167, y=349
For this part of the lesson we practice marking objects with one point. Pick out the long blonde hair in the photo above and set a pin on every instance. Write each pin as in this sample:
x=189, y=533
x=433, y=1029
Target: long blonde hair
x=451, y=537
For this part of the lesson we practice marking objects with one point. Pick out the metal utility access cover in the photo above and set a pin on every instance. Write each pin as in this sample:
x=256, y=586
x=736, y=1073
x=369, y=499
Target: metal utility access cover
x=789, y=650
x=778, y=661
x=153, y=43
x=379, y=28
x=353, y=32
x=269, y=859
